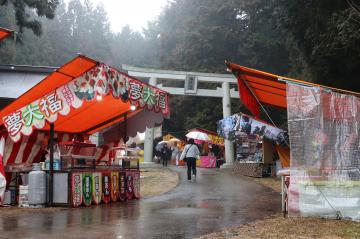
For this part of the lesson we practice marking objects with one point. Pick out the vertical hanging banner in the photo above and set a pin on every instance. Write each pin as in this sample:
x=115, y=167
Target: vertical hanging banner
x=96, y=187
x=129, y=186
x=76, y=189
x=106, y=186
x=100, y=80
x=87, y=188
x=114, y=186
x=136, y=179
x=122, y=186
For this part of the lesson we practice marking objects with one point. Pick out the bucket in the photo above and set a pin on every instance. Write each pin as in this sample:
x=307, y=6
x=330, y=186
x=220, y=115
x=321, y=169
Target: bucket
x=7, y=198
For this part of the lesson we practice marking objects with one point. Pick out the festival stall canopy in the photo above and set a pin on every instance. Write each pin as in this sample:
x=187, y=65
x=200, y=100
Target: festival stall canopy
x=4, y=33
x=257, y=87
x=233, y=127
x=83, y=96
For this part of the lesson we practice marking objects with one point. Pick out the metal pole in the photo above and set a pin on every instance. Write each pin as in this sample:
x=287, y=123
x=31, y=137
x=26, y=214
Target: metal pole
x=51, y=179
x=125, y=127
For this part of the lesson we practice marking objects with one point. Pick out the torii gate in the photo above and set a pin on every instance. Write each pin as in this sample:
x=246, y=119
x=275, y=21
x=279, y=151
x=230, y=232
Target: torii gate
x=190, y=88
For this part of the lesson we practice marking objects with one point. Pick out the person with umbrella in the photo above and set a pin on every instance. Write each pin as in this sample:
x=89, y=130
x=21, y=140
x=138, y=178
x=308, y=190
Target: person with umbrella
x=190, y=154
x=166, y=154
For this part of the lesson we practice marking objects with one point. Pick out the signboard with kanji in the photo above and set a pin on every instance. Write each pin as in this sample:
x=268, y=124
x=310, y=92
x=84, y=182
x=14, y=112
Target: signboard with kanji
x=76, y=189
x=97, y=187
x=87, y=188
x=100, y=80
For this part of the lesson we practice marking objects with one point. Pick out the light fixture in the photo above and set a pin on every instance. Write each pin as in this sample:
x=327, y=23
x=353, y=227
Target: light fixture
x=98, y=97
x=132, y=107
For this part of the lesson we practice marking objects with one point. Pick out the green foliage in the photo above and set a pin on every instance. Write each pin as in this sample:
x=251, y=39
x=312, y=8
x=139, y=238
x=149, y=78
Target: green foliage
x=323, y=40
x=23, y=20
x=316, y=41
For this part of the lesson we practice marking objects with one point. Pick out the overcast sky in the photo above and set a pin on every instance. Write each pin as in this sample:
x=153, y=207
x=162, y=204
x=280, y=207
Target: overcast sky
x=135, y=13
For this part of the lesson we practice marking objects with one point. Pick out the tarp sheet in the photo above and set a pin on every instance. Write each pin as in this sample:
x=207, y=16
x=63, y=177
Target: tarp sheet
x=325, y=153
x=234, y=126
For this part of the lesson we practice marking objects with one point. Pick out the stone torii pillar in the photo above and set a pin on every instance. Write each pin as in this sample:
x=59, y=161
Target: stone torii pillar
x=229, y=147
x=149, y=137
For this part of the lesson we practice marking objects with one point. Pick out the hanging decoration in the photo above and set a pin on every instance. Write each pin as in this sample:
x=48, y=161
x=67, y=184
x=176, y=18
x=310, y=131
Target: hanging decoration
x=99, y=81
x=234, y=126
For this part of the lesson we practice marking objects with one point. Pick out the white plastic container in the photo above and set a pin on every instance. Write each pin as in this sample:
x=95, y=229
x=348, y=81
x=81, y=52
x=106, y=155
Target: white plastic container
x=37, y=186
x=23, y=196
x=7, y=198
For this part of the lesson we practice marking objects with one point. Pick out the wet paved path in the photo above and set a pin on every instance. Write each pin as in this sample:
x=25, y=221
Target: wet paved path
x=215, y=201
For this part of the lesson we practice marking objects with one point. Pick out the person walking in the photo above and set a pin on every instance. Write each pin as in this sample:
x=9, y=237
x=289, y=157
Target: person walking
x=166, y=155
x=190, y=154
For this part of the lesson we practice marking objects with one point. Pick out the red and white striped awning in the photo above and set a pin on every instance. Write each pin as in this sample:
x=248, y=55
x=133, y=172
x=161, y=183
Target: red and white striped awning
x=31, y=148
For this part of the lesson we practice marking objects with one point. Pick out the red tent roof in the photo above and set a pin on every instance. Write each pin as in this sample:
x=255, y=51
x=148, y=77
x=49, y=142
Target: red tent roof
x=70, y=97
x=269, y=88
x=4, y=33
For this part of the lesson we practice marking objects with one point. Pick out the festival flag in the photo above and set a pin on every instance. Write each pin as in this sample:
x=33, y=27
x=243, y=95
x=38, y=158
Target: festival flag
x=2, y=171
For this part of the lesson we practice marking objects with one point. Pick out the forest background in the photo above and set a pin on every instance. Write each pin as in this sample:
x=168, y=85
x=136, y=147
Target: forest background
x=316, y=41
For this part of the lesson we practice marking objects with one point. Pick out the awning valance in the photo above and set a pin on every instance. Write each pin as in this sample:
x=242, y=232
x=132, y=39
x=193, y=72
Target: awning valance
x=83, y=96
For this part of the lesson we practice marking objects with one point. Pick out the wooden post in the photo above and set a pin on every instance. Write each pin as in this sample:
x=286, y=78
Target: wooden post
x=51, y=179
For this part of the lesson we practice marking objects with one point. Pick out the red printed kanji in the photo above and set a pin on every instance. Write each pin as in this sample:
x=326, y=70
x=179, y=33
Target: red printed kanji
x=68, y=95
x=50, y=104
x=135, y=90
x=14, y=123
x=161, y=100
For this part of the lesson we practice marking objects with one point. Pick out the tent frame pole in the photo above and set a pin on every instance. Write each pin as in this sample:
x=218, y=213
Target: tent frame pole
x=51, y=179
x=125, y=127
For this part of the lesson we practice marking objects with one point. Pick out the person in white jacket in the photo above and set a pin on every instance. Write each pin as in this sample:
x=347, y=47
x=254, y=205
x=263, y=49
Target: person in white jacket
x=190, y=154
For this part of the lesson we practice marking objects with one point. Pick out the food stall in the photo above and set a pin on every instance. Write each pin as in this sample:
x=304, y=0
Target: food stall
x=4, y=33
x=177, y=146
x=257, y=144
x=79, y=99
x=211, y=147
x=323, y=178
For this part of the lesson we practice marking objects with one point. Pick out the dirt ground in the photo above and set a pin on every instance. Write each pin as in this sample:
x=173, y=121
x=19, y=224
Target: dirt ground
x=155, y=182
x=149, y=187
x=273, y=183
x=280, y=227
x=302, y=228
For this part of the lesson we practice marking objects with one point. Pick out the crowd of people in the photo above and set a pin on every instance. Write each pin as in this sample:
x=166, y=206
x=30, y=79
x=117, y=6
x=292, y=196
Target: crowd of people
x=174, y=151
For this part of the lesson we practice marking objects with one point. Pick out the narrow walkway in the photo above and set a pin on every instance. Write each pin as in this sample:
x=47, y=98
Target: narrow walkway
x=217, y=200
